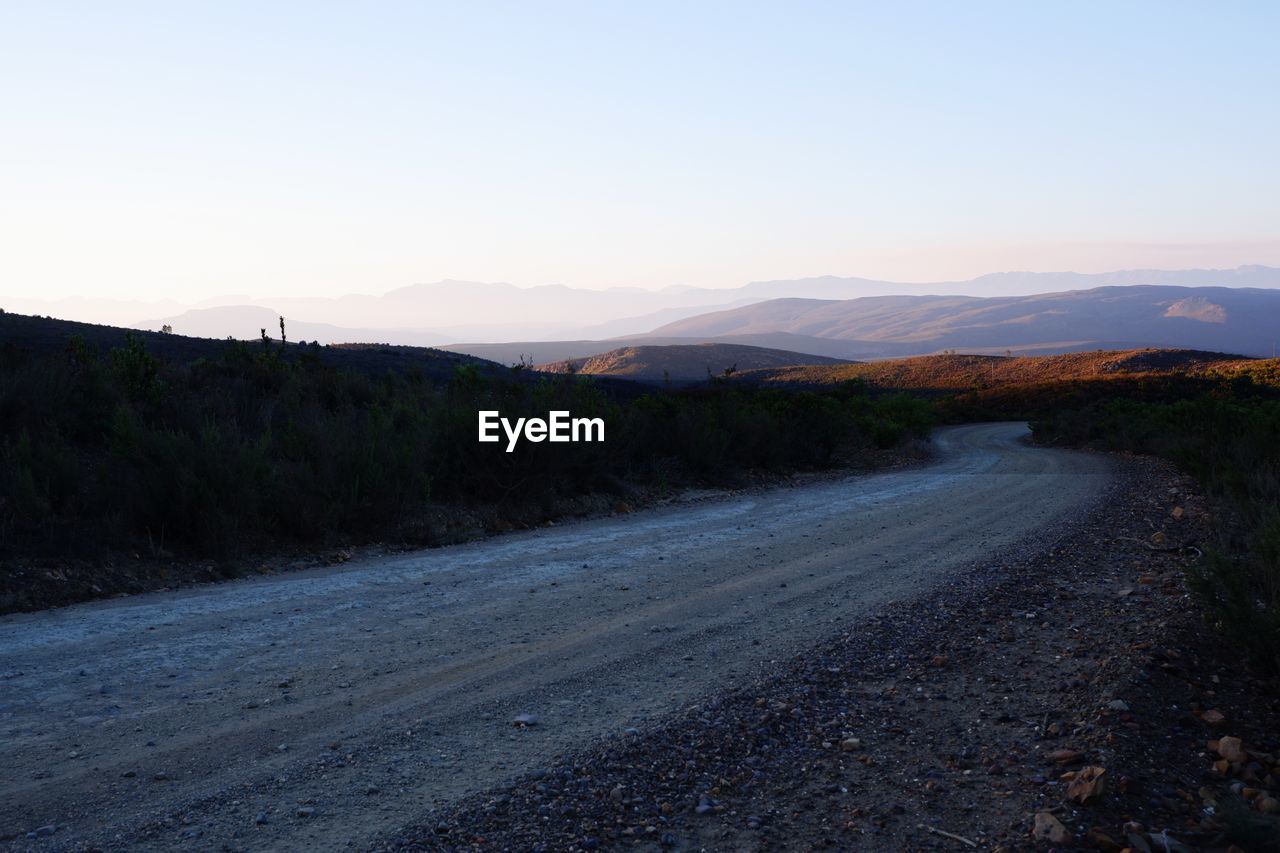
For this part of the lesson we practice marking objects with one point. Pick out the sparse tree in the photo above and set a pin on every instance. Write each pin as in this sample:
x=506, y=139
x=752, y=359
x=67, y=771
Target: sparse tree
x=282, y=339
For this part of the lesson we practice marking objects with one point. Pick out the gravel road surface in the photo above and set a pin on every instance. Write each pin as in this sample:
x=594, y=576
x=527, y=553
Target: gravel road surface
x=324, y=709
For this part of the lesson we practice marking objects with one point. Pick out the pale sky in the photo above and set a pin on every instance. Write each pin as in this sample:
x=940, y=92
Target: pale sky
x=187, y=149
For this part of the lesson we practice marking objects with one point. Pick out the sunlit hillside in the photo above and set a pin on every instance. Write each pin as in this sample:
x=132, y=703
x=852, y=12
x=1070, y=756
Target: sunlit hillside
x=959, y=372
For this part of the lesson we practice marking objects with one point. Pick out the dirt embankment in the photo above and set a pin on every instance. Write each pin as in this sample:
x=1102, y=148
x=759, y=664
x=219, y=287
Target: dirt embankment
x=1066, y=696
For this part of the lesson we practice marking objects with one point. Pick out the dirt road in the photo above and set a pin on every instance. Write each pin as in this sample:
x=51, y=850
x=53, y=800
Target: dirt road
x=324, y=708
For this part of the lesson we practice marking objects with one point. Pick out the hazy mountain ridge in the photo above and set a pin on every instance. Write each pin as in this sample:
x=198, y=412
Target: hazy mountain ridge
x=1245, y=320
x=453, y=310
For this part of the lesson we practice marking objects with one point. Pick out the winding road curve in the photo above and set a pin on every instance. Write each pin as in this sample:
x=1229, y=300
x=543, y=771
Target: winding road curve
x=322, y=708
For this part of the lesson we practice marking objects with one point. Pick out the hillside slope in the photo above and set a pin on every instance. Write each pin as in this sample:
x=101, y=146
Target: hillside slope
x=684, y=362
x=546, y=352
x=41, y=335
x=961, y=372
x=1245, y=320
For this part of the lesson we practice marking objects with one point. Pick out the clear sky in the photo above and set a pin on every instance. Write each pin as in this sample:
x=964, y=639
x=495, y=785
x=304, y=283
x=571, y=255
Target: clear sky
x=186, y=149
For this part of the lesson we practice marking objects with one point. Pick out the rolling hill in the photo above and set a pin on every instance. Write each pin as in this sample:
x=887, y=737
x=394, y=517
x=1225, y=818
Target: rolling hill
x=952, y=372
x=1245, y=320
x=547, y=352
x=683, y=362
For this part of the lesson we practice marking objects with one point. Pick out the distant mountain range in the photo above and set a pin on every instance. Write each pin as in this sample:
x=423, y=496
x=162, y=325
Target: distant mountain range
x=248, y=321
x=1223, y=319
x=450, y=311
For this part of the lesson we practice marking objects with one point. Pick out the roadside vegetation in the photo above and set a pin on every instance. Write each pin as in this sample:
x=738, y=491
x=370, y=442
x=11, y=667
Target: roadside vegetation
x=1217, y=416
x=119, y=450
x=1228, y=438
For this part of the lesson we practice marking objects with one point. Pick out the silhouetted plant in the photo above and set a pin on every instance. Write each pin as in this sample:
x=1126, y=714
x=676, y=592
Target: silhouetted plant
x=137, y=369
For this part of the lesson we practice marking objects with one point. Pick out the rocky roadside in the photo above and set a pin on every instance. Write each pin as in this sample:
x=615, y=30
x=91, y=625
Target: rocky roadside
x=1066, y=696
